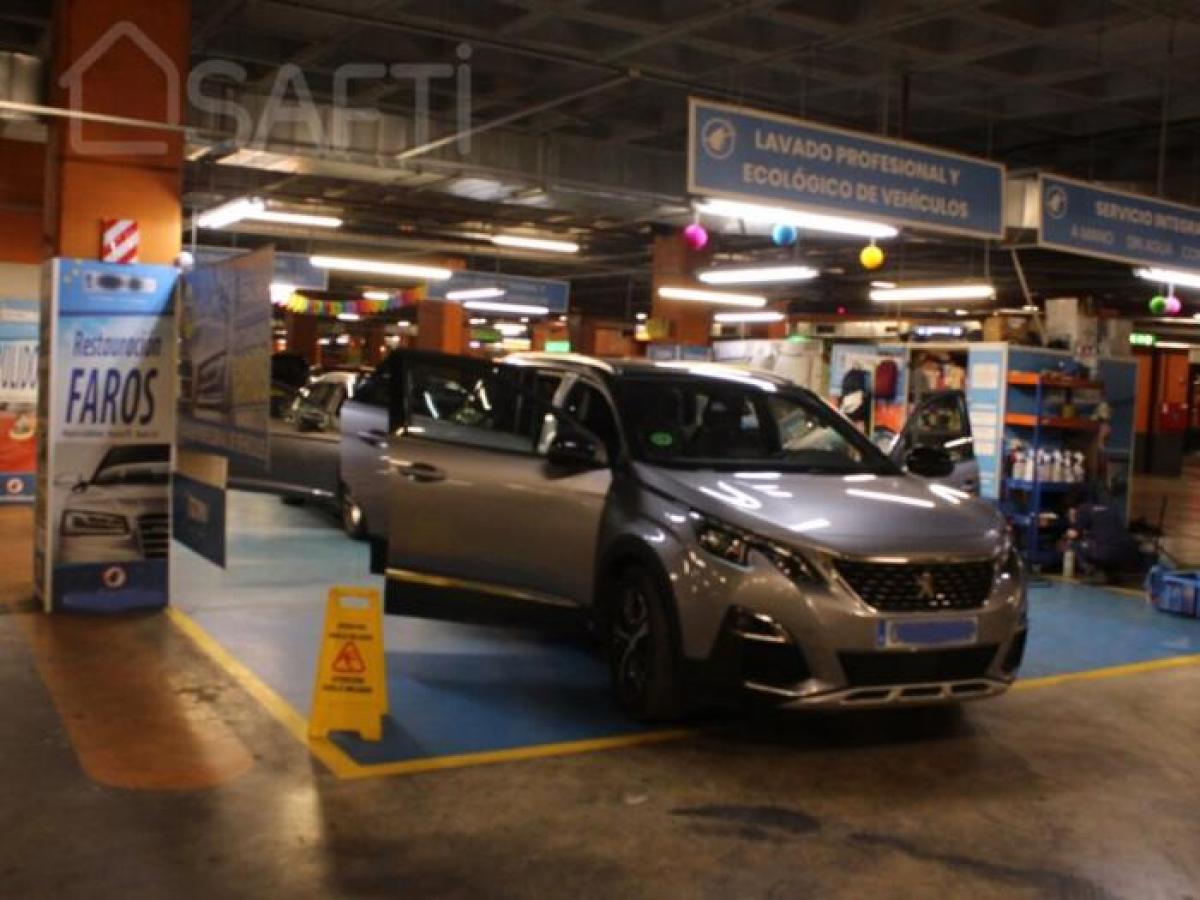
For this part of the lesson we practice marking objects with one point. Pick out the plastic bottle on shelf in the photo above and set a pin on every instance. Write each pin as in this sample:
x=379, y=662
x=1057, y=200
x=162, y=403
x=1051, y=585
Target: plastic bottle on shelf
x=1068, y=565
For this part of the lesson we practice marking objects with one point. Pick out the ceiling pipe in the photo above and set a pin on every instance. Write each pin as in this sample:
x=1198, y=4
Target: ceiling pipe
x=467, y=133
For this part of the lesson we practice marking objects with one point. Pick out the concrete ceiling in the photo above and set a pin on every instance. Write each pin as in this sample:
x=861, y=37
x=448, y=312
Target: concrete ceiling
x=589, y=100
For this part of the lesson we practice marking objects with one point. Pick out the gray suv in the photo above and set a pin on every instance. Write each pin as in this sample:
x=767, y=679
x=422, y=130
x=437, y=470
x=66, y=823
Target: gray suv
x=725, y=532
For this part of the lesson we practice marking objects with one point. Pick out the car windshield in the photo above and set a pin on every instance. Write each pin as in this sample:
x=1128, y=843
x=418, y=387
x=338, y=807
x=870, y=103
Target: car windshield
x=134, y=464
x=707, y=422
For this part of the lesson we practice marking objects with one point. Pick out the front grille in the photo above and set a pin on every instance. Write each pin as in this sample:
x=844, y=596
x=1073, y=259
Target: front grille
x=915, y=587
x=154, y=531
x=959, y=664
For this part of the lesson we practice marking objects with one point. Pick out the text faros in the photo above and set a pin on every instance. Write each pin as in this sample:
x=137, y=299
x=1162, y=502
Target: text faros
x=111, y=396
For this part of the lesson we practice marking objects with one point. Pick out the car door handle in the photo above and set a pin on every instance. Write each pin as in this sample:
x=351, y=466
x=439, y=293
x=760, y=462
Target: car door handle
x=374, y=437
x=422, y=472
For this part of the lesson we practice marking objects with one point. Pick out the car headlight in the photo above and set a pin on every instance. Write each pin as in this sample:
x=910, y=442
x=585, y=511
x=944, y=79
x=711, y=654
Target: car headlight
x=1008, y=560
x=78, y=522
x=735, y=546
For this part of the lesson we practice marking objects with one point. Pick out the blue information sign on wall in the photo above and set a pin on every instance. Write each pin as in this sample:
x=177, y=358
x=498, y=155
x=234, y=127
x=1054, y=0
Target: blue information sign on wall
x=759, y=157
x=1083, y=218
x=518, y=289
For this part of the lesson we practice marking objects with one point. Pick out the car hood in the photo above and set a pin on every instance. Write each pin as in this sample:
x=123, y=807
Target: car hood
x=129, y=499
x=858, y=515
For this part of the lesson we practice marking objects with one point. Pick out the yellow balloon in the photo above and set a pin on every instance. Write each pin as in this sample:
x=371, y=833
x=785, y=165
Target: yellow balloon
x=871, y=257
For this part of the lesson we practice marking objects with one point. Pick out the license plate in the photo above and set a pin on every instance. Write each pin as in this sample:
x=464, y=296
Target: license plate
x=932, y=633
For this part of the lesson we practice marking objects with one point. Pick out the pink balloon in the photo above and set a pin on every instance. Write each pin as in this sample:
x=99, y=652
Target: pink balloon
x=1174, y=307
x=695, y=236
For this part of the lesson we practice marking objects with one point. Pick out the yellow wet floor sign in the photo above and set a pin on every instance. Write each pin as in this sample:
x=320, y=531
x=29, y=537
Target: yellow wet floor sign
x=351, y=683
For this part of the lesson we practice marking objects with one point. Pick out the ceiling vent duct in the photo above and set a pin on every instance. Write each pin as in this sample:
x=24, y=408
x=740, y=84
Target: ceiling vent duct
x=20, y=82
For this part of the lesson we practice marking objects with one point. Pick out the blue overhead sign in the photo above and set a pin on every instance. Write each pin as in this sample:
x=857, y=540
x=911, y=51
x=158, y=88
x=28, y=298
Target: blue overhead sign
x=1083, y=218
x=759, y=157
x=518, y=289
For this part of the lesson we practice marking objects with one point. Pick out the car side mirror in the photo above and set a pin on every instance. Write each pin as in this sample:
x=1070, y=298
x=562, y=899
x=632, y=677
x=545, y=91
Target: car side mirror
x=574, y=451
x=929, y=462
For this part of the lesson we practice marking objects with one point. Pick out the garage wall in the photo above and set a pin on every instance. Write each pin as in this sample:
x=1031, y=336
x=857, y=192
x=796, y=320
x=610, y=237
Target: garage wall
x=22, y=180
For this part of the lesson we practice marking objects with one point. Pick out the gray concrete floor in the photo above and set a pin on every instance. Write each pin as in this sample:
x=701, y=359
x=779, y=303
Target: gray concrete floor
x=1087, y=790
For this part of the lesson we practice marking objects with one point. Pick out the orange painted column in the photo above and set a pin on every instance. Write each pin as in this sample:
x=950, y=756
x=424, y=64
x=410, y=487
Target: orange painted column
x=22, y=173
x=440, y=327
x=124, y=58
x=302, y=335
x=672, y=264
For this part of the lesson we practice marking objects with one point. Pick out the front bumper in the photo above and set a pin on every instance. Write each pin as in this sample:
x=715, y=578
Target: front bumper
x=814, y=647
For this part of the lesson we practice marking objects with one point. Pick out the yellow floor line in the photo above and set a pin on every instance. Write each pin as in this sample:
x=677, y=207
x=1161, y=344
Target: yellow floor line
x=341, y=765
x=1112, y=588
x=1138, y=668
x=283, y=712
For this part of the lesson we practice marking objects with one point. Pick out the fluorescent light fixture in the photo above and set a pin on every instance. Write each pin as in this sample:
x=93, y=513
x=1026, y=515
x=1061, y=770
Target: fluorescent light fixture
x=883, y=284
x=533, y=243
x=378, y=267
x=1174, y=345
x=770, y=215
x=342, y=340
x=256, y=209
x=281, y=292
x=516, y=309
x=483, y=293
x=758, y=274
x=934, y=292
x=477, y=321
x=228, y=213
x=700, y=296
x=376, y=295
x=510, y=329
x=1172, y=277
x=641, y=317
x=349, y=317
x=279, y=217
x=748, y=317
x=962, y=312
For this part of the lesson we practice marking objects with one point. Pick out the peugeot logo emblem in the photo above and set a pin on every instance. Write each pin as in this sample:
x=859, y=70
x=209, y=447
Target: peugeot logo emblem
x=925, y=587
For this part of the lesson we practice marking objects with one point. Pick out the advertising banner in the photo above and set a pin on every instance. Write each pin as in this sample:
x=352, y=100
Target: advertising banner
x=986, y=367
x=198, y=503
x=18, y=399
x=106, y=422
x=294, y=269
x=225, y=357
x=1095, y=221
x=518, y=290
x=759, y=157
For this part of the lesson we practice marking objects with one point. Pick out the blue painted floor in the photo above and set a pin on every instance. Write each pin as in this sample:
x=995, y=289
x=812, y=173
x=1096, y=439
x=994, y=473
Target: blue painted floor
x=456, y=689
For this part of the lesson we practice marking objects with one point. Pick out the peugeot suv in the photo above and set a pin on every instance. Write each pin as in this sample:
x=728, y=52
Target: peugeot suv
x=724, y=531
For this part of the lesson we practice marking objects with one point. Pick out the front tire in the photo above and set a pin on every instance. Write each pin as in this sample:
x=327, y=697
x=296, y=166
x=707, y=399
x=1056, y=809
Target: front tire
x=643, y=661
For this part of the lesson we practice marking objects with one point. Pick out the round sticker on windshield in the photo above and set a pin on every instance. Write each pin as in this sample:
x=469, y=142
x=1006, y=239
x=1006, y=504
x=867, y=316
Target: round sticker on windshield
x=662, y=439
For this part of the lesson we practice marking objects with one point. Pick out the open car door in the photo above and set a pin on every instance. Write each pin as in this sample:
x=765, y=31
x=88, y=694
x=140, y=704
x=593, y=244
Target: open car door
x=941, y=420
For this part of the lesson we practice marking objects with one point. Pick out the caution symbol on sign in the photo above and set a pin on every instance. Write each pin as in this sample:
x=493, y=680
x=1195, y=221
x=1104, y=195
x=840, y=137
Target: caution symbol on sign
x=349, y=661
x=350, y=693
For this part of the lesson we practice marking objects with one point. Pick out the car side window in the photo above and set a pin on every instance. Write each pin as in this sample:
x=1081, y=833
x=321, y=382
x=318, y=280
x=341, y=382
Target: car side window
x=374, y=389
x=465, y=402
x=590, y=408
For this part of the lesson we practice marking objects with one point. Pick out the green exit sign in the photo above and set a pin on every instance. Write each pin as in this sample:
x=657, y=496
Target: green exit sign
x=1142, y=339
x=558, y=346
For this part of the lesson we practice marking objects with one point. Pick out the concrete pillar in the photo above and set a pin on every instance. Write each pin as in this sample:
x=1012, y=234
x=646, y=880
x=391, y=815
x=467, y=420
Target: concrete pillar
x=123, y=58
x=672, y=264
x=22, y=175
x=302, y=333
x=440, y=327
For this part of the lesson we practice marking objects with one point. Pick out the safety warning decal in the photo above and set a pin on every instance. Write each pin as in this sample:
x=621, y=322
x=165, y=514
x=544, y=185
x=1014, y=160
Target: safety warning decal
x=350, y=693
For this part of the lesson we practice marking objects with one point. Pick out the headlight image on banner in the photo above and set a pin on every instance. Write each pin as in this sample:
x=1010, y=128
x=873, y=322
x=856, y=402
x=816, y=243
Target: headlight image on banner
x=107, y=421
